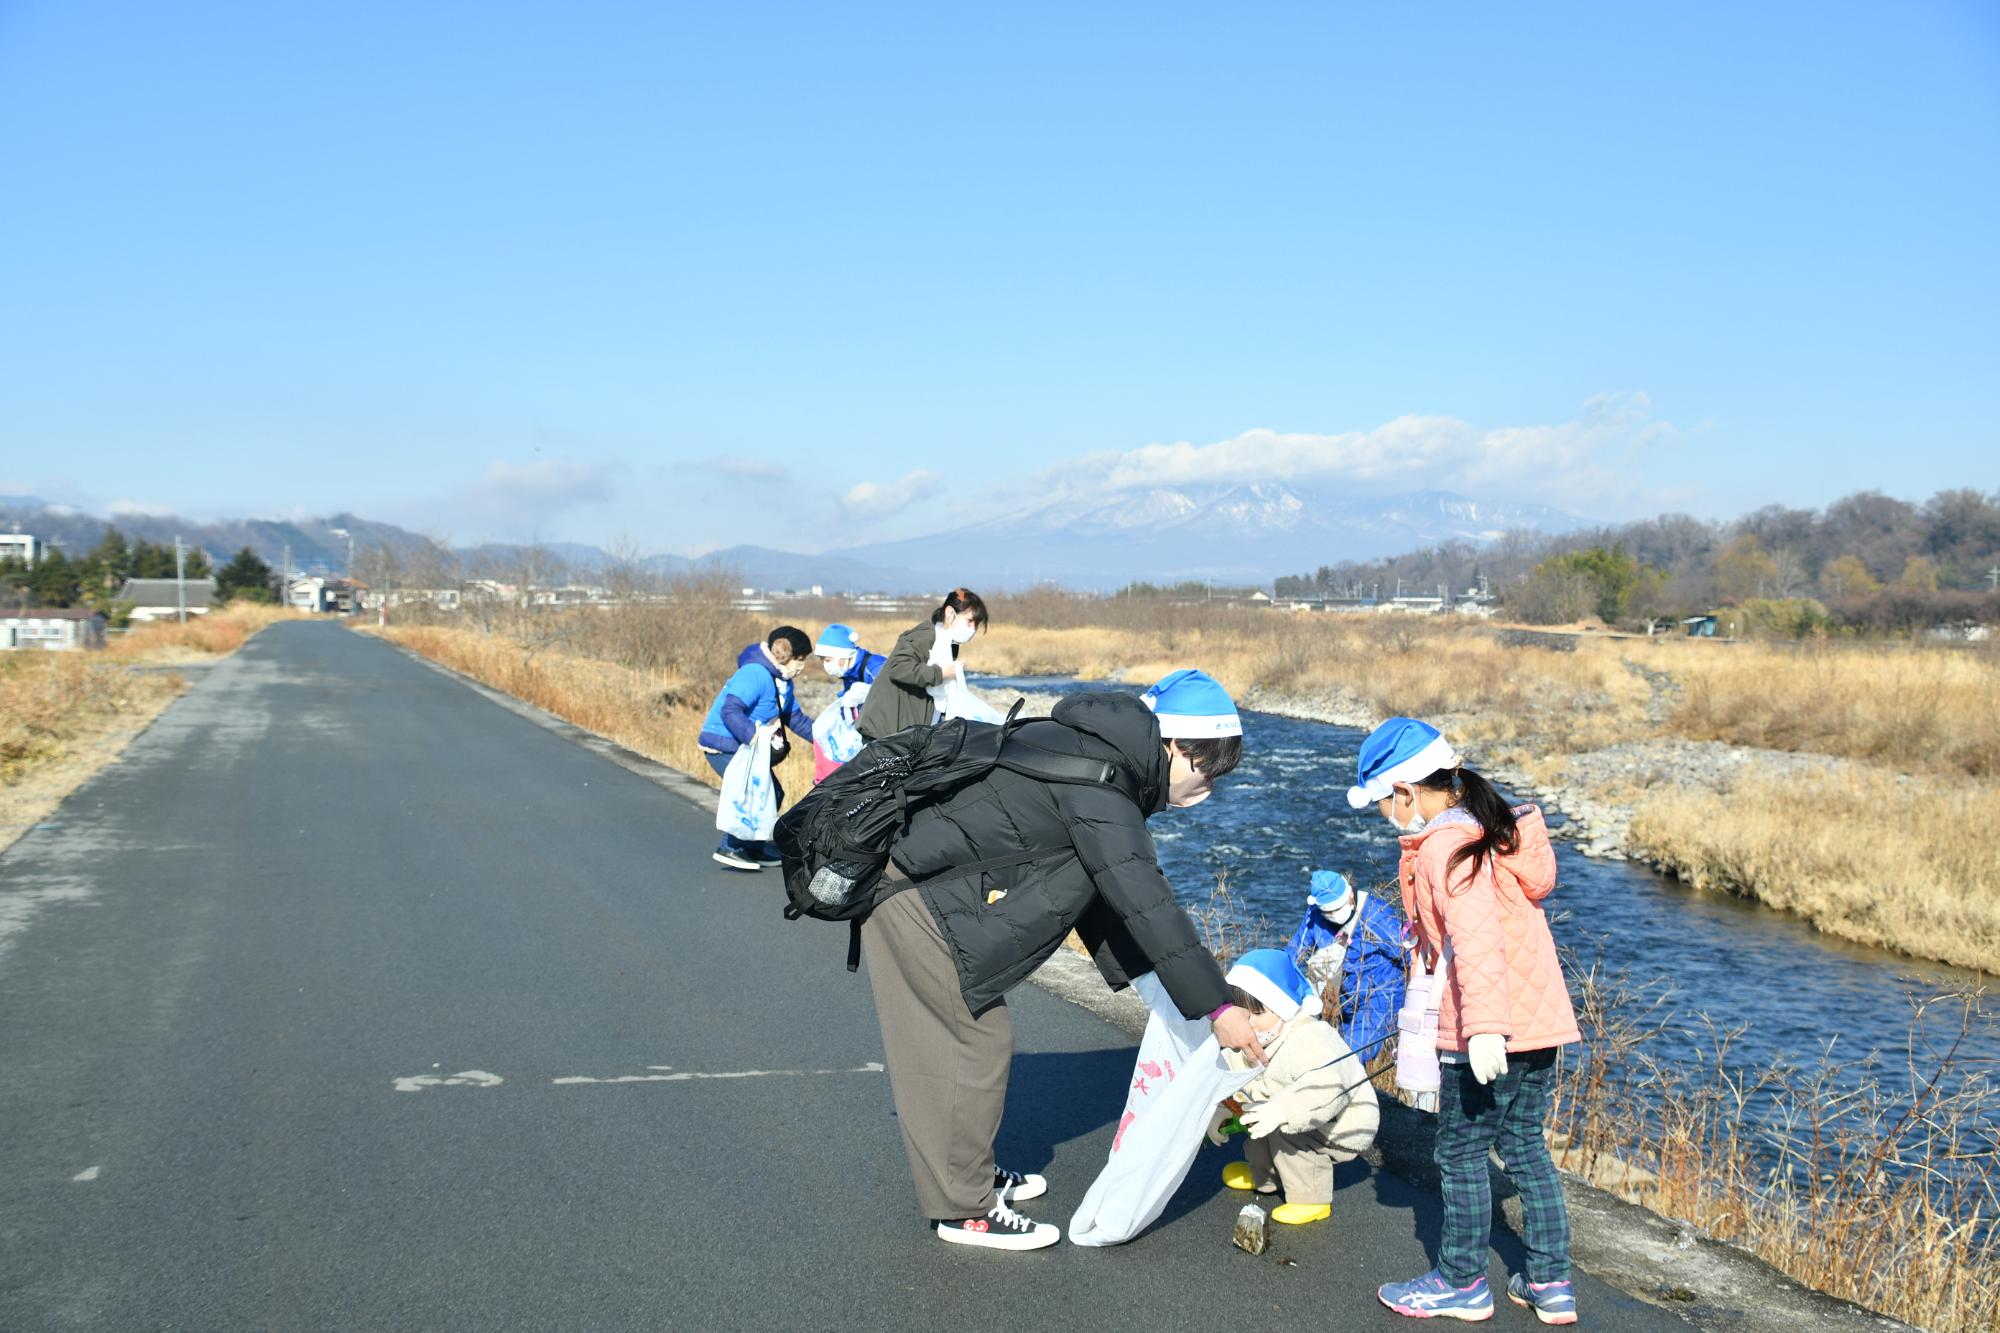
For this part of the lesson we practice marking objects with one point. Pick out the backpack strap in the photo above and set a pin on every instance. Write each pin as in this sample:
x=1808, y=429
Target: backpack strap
x=854, y=944
x=1077, y=770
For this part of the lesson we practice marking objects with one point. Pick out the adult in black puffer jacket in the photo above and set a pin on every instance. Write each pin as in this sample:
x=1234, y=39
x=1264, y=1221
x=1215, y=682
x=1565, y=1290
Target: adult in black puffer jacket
x=943, y=949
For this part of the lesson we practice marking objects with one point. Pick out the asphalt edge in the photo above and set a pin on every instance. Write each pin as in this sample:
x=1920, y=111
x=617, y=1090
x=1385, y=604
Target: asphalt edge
x=1708, y=1283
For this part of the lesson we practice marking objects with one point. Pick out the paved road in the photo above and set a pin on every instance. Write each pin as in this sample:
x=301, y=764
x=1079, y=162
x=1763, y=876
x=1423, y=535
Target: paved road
x=328, y=869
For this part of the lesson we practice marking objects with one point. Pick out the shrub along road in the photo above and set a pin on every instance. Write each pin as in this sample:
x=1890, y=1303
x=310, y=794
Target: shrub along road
x=348, y=999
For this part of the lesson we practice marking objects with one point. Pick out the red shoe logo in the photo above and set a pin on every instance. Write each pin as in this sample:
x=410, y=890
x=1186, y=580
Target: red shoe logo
x=977, y=1224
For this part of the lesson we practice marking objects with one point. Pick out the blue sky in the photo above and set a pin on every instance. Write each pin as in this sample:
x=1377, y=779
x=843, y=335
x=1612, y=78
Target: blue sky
x=813, y=275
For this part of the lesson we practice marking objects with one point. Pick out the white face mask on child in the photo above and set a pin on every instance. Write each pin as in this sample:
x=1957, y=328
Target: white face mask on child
x=962, y=632
x=1417, y=822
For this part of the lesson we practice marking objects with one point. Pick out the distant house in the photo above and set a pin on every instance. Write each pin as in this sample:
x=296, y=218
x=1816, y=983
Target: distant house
x=1701, y=627
x=318, y=592
x=19, y=546
x=57, y=628
x=160, y=599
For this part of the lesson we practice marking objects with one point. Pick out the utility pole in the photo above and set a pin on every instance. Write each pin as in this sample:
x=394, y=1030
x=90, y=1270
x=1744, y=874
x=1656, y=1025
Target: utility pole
x=180, y=579
x=1993, y=578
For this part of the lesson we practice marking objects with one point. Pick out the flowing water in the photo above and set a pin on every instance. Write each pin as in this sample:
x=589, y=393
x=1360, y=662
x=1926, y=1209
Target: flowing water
x=1284, y=813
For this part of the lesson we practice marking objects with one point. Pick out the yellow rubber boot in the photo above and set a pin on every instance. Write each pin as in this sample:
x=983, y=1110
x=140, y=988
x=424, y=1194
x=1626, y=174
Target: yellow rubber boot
x=1298, y=1214
x=1237, y=1176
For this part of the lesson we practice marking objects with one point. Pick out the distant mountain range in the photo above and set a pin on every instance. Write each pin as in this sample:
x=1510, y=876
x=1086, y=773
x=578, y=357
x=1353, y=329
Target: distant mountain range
x=1241, y=534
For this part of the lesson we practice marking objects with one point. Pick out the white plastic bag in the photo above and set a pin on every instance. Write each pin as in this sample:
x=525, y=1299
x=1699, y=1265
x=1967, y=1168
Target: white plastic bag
x=749, y=805
x=1176, y=1085
x=954, y=698
x=835, y=733
x=1417, y=1067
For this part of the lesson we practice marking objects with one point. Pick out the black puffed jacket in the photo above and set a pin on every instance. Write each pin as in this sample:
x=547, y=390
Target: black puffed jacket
x=1099, y=878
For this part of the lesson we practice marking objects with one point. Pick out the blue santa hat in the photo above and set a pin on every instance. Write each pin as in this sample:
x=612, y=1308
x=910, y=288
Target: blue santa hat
x=1400, y=750
x=1192, y=706
x=1331, y=893
x=837, y=641
x=1270, y=977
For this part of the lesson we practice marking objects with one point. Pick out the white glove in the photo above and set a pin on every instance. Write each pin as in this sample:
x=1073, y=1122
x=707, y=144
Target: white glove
x=1262, y=1120
x=1215, y=1124
x=1487, y=1054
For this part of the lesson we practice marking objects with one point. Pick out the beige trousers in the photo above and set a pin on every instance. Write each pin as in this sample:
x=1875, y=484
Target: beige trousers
x=1302, y=1163
x=947, y=1069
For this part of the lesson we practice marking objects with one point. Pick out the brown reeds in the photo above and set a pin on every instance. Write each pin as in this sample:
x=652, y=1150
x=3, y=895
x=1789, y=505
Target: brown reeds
x=1899, y=863
x=1876, y=1185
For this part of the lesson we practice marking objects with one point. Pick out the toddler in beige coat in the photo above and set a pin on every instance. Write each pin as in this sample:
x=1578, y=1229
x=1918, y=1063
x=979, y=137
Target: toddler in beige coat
x=1310, y=1108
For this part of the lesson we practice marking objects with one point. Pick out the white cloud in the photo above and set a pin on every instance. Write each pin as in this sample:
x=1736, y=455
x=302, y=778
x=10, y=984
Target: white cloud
x=1569, y=460
x=744, y=469
x=520, y=495
x=870, y=499
x=122, y=508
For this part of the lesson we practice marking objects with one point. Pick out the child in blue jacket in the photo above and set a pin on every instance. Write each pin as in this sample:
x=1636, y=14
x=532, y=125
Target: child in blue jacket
x=758, y=695
x=1353, y=943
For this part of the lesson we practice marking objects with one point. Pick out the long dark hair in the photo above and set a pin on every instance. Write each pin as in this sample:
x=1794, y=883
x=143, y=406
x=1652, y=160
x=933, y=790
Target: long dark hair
x=1498, y=835
x=964, y=601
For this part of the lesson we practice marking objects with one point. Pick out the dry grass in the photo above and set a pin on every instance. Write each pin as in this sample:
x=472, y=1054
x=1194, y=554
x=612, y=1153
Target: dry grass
x=1901, y=864
x=201, y=638
x=644, y=711
x=1918, y=709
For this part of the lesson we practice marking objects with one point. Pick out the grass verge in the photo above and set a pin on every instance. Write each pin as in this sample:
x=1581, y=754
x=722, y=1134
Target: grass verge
x=645, y=711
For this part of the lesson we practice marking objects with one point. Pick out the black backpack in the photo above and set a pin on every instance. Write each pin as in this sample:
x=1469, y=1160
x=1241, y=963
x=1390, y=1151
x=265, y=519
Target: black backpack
x=836, y=840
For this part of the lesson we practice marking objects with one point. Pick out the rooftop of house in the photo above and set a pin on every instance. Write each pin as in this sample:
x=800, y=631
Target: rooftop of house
x=52, y=613
x=162, y=592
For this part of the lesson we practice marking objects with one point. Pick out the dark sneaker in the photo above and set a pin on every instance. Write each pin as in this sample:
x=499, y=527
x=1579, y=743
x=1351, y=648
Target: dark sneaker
x=1013, y=1187
x=1001, y=1229
x=1552, y=1302
x=736, y=858
x=764, y=853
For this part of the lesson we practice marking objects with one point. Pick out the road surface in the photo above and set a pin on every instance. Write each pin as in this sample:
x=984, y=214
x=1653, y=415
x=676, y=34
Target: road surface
x=351, y=1000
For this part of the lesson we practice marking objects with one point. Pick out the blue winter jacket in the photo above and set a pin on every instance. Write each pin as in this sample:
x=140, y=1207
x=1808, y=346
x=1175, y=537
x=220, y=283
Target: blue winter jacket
x=754, y=695
x=1372, y=976
x=866, y=665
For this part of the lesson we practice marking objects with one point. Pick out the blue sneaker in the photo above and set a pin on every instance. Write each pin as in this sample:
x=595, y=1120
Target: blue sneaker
x=1552, y=1302
x=1432, y=1297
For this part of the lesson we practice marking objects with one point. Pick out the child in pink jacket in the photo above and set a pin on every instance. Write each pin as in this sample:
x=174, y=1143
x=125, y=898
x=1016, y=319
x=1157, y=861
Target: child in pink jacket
x=1474, y=873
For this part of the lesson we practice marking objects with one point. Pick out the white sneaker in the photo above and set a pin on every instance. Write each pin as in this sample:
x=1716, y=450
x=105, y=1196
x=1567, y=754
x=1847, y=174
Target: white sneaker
x=1001, y=1229
x=1013, y=1187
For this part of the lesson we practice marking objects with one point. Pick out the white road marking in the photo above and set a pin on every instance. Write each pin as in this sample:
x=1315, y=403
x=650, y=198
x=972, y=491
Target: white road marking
x=88, y=1173
x=688, y=1076
x=464, y=1078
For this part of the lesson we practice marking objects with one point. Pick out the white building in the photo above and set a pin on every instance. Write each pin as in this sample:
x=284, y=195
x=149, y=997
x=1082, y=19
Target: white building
x=54, y=628
x=19, y=545
x=161, y=599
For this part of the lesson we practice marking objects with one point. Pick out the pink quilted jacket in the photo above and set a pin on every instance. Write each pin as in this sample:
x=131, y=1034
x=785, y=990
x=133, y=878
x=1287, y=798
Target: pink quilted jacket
x=1504, y=973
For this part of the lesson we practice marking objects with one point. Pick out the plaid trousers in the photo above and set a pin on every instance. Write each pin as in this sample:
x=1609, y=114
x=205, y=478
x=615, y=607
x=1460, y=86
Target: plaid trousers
x=1507, y=1113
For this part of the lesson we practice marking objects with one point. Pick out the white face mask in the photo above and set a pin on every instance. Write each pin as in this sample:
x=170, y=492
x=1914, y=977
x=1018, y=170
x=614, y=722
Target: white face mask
x=1417, y=822
x=962, y=632
x=834, y=666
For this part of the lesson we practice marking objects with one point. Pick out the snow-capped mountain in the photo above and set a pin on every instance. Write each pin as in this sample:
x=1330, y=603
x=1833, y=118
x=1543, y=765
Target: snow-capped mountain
x=1247, y=533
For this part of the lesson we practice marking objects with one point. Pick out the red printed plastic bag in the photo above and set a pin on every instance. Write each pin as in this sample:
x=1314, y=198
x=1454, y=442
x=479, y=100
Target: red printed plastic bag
x=1178, y=1081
